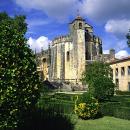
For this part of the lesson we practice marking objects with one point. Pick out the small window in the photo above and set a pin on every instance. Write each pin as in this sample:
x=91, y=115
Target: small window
x=116, y=72
x=128, y=70
x=128, y=86
x=44, y=60
x=117, y=83
x=74, y=26
x=68, y=55
x=80, y=25
x=122, y=71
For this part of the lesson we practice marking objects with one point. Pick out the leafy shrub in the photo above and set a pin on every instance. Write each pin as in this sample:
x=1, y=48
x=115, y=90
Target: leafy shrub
x=87, y=109
x=98, y=76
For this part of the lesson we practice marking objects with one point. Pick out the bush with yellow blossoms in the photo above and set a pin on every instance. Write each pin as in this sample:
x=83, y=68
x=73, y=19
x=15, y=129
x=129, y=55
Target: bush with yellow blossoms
x=87, y=109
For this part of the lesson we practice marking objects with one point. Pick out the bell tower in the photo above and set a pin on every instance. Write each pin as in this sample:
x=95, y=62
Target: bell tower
x=77, y=33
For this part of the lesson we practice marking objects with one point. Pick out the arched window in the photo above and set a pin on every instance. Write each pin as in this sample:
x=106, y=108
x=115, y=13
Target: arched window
x=80, y=25
x=68, y=55
x=44, y=60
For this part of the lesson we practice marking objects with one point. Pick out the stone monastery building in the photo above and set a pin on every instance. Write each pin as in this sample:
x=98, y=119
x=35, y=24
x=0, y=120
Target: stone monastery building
x=67, y=56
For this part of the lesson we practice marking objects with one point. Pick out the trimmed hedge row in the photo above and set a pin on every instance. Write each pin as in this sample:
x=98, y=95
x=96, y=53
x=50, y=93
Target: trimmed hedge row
x=63, y=96
x=122, y=92
x=115, y=109
x=58, y=106
x=122, y=112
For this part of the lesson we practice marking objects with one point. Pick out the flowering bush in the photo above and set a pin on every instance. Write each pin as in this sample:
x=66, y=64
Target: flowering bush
x=87, y=110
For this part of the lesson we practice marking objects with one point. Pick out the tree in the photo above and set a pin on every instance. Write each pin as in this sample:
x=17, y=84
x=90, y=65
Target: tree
x=19, y=81
x=98, y=76
x=128, y=38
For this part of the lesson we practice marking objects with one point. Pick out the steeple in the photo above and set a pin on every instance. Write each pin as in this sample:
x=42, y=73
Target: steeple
x=78, y=17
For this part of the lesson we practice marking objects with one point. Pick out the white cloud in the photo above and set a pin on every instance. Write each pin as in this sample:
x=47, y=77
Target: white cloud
x=59, y=9
x=38, y=44
x=98, y=10
x=105, y=51
x=114, y=14
x=103, y=10
x=121, y=54
x=118, y=27
x=37, y=22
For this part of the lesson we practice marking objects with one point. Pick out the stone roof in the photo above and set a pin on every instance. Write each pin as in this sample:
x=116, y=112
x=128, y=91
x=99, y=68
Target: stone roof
x=120, y=60
x=78, y=17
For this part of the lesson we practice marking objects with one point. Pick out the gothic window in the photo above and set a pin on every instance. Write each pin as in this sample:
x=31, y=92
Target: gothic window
x=128, y=70
x=74, y=26
x=116, y=72
x=44, y=60
x=80, y=25
x=68, y=55
x=122, y=71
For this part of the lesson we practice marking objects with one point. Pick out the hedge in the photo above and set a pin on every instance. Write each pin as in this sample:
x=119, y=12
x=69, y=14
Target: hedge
x=115, y=109
x=122, y=92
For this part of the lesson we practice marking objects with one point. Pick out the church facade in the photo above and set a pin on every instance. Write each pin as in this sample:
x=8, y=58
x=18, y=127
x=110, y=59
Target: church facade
x=67, y=56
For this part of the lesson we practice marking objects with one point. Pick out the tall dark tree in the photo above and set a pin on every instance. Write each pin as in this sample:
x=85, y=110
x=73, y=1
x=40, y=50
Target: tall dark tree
x=128, y=38
x=98, y=76
x=19, y=81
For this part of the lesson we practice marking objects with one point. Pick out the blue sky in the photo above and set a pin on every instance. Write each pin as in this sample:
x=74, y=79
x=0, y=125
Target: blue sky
x=47, y=19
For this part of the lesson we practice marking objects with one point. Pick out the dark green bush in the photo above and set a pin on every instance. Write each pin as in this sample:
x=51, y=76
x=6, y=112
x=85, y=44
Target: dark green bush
x=41, y=119
x=85, y=97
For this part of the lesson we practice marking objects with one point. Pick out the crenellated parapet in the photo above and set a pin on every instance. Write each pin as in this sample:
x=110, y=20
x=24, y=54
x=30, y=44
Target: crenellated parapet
x=61, y=39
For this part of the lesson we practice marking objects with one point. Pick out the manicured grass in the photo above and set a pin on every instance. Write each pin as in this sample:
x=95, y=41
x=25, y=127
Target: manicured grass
x=105, y=123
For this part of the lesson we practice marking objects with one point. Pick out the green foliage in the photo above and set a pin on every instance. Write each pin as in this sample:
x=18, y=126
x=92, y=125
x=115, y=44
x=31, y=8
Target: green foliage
x=128, y=38
x=56, y=103
x=115, y=109
x=85, y=97
x=47, y=120
x=118, y=107
x=122, y=112
x=122, y=92
x=19, y=81
x=108, y=108
x=87, y=109
x=98, y=76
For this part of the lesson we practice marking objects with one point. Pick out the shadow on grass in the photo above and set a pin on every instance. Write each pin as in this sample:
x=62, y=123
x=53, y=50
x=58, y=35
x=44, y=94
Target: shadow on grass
x=46, y=120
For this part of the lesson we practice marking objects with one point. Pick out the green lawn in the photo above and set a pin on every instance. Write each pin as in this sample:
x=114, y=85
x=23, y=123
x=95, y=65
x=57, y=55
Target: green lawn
x=105, y=123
